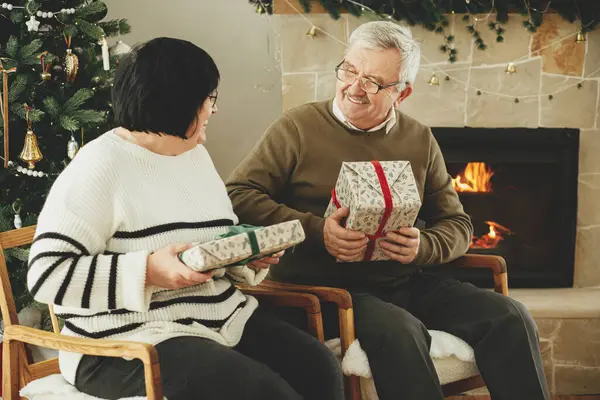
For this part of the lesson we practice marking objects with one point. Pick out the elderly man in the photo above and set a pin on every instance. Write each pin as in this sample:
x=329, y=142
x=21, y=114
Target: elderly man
x=290, y=174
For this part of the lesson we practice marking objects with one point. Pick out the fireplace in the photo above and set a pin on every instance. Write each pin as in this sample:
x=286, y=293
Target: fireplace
x=519, y=186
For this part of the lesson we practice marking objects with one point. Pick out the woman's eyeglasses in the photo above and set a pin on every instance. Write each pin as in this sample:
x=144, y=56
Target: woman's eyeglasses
x=213, y=98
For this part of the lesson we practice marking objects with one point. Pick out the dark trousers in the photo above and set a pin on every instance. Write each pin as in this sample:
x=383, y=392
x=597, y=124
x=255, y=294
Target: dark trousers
x=392, y=323
x=273, y=360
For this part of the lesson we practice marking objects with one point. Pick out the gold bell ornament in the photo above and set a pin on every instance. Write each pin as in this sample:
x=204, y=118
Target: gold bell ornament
x=31, y=151
x=580, y=38
x=510, y=68
x=46, y=75
x=71, y=62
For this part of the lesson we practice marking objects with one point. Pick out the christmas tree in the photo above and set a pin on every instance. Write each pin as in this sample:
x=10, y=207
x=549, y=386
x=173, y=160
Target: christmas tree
x=57, y=68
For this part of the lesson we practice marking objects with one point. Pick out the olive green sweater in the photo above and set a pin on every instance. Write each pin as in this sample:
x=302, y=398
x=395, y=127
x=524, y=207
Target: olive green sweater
x=290, y=173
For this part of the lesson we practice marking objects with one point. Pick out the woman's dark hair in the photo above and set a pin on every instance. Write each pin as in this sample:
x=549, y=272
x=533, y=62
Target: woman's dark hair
x=160, y=86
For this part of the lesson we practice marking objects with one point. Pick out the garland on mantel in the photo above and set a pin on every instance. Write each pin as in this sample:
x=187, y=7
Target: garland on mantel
x=433, y=14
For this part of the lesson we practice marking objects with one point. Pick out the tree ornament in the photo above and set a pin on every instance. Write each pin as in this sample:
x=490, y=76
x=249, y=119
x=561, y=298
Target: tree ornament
x=33, y=24
x=71, y=62
x=119, y=48
x=4, y=107
x=312, y=32
x=46, y=75
x=434, y=80
x=31, y=151
x=580, y=38
x=72, y=148
x=16, y=206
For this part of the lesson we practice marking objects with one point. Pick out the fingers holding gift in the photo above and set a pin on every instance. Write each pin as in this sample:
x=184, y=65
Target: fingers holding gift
x=266, y=262
x=403, y=239
x=350, y=254
x=401, y=246
x=348, y=249
x=410, y=232
x=398, y=252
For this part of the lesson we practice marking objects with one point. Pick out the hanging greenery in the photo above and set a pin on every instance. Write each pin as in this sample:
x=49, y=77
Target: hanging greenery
x=432, y=14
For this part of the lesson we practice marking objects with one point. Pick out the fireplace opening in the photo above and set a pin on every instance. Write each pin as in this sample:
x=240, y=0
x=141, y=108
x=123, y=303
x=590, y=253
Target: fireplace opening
x=519, y=186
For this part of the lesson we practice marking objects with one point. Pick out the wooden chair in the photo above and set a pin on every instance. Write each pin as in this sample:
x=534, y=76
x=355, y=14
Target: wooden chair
x=343, y=301
x=18, y=371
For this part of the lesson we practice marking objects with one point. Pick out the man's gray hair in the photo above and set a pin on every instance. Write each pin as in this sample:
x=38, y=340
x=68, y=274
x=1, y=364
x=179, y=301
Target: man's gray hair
x=383, y=35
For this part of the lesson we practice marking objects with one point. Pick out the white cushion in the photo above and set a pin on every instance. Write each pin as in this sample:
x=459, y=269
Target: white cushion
x=55, y=387
x=452, y=357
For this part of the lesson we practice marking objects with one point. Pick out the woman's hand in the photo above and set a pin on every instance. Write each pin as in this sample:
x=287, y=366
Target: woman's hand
x=164, y=269
x=266, y=262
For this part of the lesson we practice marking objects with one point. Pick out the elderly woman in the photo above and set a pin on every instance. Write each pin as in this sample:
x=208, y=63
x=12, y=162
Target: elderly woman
x=108, y=237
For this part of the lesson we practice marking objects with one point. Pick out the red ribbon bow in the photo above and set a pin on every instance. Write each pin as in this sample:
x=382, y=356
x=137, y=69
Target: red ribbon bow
x=389, y=206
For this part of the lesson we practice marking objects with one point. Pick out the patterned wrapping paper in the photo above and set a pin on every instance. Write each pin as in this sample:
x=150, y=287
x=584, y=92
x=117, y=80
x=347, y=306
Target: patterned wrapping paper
x=358, y=187
x=234, y=249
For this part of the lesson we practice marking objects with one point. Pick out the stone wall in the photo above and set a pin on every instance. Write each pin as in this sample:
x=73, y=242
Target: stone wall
x=545, y=64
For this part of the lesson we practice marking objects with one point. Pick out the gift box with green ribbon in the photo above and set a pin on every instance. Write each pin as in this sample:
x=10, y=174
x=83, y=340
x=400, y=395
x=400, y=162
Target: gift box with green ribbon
x=242, y=244
x=381, y=196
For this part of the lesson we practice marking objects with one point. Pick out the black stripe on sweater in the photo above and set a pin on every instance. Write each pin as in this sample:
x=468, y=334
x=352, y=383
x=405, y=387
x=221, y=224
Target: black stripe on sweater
x=64, y=238
x=120, y=311
x=87, y=291
x=155, y=230
x=46, y=274
x=102, y=334
x=160, y=304
x=195, y=299
x=111, y=253
x=51, y=254
x=210, y=323
x=112, y=283
x=65, y=284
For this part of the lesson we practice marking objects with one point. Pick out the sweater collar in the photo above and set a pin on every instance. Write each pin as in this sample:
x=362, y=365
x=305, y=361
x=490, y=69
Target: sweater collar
x=388, y=123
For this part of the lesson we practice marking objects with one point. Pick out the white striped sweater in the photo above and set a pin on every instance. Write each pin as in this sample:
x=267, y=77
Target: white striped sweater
x=110, y=208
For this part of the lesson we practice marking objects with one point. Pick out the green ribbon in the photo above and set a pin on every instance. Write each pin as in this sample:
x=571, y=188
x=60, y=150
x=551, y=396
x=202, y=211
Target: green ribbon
x=250, y=231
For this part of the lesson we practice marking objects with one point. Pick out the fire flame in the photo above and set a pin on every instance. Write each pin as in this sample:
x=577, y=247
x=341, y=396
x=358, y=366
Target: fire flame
x=475, y=178
x=491, y=239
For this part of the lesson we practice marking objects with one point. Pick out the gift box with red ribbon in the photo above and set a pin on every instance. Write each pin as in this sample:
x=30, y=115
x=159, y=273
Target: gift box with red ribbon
x=381, y=196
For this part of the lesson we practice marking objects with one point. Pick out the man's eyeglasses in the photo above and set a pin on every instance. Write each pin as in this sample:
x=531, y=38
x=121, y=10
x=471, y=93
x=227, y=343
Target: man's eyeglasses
x=349, y=77
x=213, y=98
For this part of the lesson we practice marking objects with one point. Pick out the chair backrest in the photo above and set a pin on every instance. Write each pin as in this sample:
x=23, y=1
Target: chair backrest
x=14, y=238
x=10, y=239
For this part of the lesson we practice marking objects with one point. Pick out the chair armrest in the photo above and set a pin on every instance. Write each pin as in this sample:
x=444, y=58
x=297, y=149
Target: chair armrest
x=496, y=263
x=95, y=347
x=277, y=298
x=284, y=299
x=340, y=297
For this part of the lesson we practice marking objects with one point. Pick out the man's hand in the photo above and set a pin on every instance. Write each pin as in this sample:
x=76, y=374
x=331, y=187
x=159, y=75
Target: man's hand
x=266, y=262
x=164, y=269
x=405, y=244
x=343, y=244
